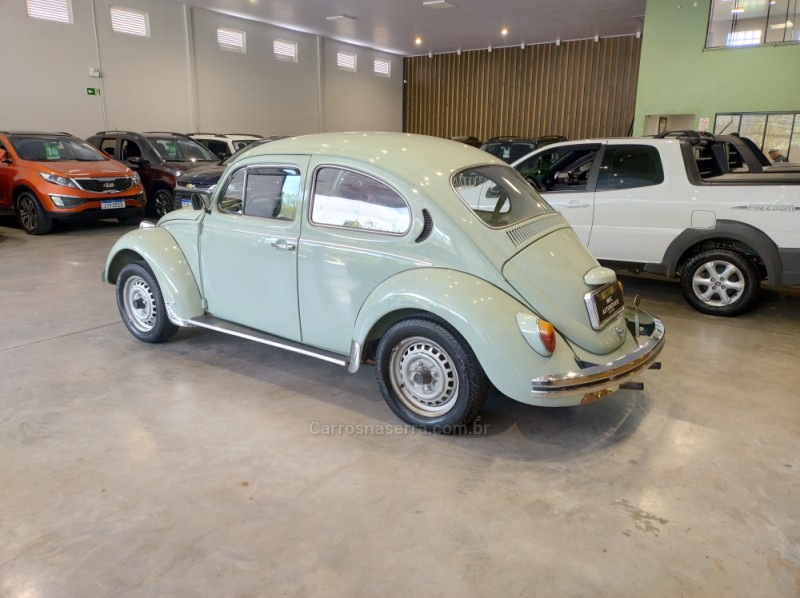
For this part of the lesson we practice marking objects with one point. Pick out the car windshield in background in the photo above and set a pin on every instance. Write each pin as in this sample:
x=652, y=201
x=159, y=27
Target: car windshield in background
x=175, y=149
x=498, y=195
x=55, y=149
x=509, y=151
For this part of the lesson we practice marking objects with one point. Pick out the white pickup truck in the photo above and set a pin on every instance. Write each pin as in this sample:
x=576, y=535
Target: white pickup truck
x=669, y=206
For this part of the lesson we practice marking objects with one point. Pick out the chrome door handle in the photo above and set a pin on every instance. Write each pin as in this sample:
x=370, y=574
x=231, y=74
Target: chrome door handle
x=577, y=204
x=284, y=245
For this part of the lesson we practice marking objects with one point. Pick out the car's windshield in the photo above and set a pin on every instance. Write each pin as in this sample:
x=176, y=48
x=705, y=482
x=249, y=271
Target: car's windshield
x=178, y=149
x=41, y=148
x=498, y=195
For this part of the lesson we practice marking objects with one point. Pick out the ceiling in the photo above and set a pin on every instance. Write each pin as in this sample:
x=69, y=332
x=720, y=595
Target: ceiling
x=393, y=25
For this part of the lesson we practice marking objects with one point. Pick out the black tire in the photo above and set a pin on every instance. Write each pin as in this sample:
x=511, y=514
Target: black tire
x=141, y=304
x=130, y=220
x=720, y=282
x=32, y=217
x=161, y=202
x=430, y=377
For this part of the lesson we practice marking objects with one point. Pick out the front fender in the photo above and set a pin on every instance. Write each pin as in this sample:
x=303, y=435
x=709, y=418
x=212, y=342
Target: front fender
x=485, y=315
x=165, y=258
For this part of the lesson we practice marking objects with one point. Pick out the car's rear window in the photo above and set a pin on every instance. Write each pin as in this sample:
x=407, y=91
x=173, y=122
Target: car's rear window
x=54, y=149
x=498, y=195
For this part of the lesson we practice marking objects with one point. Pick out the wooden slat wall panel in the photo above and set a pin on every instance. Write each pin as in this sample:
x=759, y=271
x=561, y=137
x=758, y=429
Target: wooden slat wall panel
x=578, y=89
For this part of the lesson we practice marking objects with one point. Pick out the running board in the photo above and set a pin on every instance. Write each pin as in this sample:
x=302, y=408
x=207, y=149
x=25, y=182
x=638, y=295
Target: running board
x=251, y=334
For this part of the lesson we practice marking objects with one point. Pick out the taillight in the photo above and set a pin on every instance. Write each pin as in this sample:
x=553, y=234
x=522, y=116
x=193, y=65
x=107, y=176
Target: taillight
x=547, y=334
x=621, y=288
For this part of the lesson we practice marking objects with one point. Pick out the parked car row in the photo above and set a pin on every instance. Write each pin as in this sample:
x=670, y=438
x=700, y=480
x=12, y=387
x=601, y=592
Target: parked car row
x=49, y=177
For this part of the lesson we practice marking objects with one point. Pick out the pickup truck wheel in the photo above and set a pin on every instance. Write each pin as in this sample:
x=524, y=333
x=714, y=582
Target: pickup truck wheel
x=32, y=217
x=161, y=203
x=141, y=304
x=720, y=282
x=429, y=376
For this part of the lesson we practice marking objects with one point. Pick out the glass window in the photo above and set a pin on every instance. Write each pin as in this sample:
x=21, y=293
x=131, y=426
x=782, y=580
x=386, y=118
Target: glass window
x=353, y=200
x=773, y=131
x=54, y=149
x=232, y=197
x=561, y=169
x=629, y=166
x=736, y=23
x=130, y=149
x=129, y=21
x=218, y=148
x=284, y=50
x=180, y=149
x=346, y=61
x=231, y=40
x=272, y=192
x=50, y=10
x=498, y=195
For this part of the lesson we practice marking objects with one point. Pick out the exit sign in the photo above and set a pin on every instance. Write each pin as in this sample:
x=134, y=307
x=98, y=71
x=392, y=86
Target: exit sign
x=92, y=91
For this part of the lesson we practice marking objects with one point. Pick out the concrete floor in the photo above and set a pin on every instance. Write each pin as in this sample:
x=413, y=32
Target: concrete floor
x=199, y=467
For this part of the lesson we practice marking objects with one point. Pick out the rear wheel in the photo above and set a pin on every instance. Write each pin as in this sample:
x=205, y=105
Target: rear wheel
x=720, y=282
x=141, y=304
x=32, y=217
x=429, y=376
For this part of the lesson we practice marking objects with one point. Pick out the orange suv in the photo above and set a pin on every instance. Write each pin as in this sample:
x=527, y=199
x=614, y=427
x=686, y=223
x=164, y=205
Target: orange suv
x=54, y=176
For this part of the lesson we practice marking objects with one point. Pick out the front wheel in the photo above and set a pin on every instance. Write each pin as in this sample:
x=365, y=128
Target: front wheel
x=429, y=376
x=720, y=282
x=32, y=217
x=161, y=203
x=141, y=304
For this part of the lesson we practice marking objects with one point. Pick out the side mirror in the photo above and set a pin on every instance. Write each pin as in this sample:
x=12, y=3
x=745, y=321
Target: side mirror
x=201, y=201
x=137, y=161
x=561, y=177
x=4, y=156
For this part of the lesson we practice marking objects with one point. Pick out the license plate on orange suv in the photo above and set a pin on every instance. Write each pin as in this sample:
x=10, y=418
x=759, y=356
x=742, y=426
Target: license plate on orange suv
x=112, y=204
x=604, y=304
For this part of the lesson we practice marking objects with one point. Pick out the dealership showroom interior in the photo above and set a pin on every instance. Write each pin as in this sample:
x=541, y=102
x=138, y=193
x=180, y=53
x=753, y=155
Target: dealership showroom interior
x=422, y=298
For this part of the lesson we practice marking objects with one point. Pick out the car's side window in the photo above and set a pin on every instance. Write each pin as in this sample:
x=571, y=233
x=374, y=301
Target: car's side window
x=629, y=166
x=218, y=148
x=272, y=192
x=232, y=197
x=350, y=199
x=108, y=146
x=129, y=149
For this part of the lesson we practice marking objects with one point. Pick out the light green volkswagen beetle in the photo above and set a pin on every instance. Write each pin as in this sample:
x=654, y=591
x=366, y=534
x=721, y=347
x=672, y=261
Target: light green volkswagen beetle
x=430, y=259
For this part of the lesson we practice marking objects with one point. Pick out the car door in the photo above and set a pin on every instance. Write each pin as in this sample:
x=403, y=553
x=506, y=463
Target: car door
x=248, y=246
x=633, y=216
x=565, y=177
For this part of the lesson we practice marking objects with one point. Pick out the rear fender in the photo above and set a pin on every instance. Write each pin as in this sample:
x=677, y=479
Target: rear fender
x=485, y=315
x=159, y=250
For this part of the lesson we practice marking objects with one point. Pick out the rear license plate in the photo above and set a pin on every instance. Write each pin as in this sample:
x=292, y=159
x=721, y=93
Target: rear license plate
x=186, y=203
x=112, y=204
x=604, y=304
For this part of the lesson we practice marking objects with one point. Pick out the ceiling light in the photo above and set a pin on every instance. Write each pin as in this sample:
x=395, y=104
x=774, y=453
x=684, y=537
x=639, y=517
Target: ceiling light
x=340, y=18
x=737, y=10
x=504, y=31
x=418, y=41
x=558, y=41
x=596, y=38
x=438, y=4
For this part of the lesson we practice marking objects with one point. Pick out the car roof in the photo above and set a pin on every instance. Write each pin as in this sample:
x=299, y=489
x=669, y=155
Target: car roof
x=421, y=159
x=38, y=133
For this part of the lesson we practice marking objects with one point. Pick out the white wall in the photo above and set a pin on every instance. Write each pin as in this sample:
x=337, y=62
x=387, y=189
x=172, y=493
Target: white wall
x=361, y=100
x=44, y=71
x=179, y=80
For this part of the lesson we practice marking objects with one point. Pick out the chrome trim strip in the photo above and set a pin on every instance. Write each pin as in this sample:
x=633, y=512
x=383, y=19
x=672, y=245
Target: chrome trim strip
x=612, y=374
x=226, y=327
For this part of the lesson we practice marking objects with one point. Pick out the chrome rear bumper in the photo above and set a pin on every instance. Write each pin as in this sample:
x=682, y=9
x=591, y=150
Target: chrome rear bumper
x=600, y=380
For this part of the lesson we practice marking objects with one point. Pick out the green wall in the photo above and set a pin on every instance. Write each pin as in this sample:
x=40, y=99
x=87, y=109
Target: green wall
x=678, y=76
